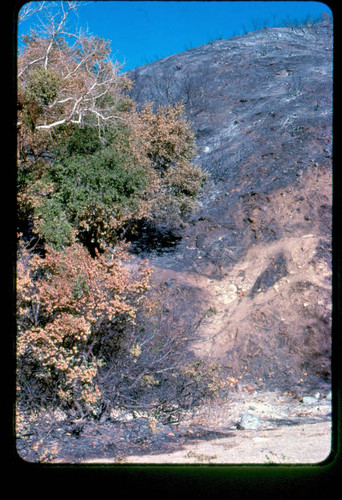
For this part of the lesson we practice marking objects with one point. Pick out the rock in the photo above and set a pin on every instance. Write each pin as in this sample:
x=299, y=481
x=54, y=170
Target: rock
x=126, y=417
x=249, y=421
x=309, y=400
x=274, y=272
x=140, y=414
x=282, y=415
x=121, y=415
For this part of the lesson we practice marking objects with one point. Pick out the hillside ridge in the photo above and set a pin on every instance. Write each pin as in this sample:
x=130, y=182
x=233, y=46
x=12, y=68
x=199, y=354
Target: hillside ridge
x=250, y=273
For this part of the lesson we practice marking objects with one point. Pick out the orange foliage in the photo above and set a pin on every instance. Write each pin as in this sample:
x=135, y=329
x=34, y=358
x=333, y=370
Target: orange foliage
x=168, y=142
x=63, y=300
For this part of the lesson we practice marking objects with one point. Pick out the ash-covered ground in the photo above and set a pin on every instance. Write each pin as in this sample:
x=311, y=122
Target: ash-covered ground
x=251, y=271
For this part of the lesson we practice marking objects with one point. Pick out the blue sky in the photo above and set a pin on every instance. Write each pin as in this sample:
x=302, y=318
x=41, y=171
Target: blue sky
x=143, y=31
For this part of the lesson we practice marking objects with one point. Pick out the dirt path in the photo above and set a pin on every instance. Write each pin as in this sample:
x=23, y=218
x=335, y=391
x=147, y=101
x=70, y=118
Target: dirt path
x=308, y=443
x=290, y=432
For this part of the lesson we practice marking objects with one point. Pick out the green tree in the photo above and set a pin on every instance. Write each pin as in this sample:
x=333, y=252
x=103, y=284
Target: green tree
x=95, y=190
x=88, y=160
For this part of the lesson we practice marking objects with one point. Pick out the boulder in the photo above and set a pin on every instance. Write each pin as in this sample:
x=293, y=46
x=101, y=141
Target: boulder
x=249, y=422
x=309, y=400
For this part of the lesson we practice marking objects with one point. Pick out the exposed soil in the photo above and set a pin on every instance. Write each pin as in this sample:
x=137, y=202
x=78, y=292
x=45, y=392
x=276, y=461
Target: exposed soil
x=250, y=274
x=290, y=431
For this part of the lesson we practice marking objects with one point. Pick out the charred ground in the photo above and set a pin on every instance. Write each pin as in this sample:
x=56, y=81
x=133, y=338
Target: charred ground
x=257, y=253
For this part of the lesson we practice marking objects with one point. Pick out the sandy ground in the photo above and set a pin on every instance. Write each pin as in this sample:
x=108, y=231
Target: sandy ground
x=303, y=444
x=291, y=432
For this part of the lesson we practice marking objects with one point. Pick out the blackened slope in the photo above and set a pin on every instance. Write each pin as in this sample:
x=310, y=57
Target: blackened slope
x=261, y=109
x=252, y=98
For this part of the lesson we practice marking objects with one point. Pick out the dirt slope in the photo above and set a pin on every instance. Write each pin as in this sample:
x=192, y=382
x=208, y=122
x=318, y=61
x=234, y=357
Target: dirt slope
x=257, y=254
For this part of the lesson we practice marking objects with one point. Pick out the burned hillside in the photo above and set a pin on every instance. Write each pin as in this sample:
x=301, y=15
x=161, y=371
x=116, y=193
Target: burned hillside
x=252, y=267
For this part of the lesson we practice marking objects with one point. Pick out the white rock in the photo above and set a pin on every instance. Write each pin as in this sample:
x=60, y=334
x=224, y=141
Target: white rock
x=309, y=400
x=121, y=415
x=126, y=417
x=115, y=414
x=249, y=421
x=260, y=439
x=60, y=415
x=282, y=415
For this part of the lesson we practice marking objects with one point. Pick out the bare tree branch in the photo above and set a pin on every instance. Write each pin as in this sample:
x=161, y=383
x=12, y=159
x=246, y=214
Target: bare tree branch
x=89, y=85
x=29, y=10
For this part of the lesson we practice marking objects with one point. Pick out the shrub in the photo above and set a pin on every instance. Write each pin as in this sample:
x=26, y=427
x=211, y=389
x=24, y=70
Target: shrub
x=90, y=337
x=65, y=301
x=169, y=143
x=154, y=369
x=101, y=190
